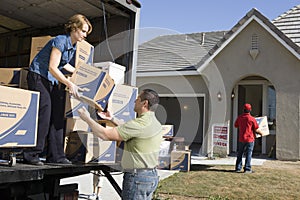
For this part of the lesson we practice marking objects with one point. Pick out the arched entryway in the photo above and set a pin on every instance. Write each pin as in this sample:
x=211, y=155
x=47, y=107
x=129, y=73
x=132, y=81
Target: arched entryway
x=261, y=94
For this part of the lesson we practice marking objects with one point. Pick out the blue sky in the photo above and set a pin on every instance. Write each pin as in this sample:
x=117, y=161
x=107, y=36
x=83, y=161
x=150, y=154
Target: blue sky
x=160, y=17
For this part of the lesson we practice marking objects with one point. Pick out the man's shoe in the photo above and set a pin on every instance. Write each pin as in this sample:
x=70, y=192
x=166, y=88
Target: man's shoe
x=34, y=162
x=249, y=172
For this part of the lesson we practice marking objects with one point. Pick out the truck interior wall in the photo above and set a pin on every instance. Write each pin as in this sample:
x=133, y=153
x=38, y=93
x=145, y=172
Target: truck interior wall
x=15, y=46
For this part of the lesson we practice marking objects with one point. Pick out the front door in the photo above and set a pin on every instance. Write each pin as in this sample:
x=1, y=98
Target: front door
x=262, y=96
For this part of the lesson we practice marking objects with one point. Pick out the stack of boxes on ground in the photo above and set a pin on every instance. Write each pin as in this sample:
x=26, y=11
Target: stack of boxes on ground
x=173, y=154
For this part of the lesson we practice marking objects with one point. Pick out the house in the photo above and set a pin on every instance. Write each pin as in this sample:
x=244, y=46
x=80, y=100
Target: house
x=204, y=79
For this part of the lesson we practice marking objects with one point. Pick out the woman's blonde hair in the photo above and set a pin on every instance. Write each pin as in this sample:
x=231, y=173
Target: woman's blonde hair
x=77, y=21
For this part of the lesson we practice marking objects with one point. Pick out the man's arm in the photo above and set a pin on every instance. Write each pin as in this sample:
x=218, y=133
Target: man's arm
x=110, y=134
x=259, y=132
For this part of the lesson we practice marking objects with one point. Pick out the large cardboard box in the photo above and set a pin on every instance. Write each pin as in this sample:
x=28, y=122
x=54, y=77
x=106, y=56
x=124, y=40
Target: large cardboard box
x=76, y=124
x=84, y=53
x=167, y=130
x=180, y=160
x=18, y=117
x=97, y=87
x=121, y=102
x=37, y=43
x=164, y=162
x=263, y=126
x=85, y=147
x=10, y=76
x=116, y=71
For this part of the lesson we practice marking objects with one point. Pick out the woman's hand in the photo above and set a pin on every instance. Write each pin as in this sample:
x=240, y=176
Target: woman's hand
x=74, y=90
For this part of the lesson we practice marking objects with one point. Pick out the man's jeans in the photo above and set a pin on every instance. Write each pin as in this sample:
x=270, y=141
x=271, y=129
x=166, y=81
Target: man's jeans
x=246, y=147
x=139, y=185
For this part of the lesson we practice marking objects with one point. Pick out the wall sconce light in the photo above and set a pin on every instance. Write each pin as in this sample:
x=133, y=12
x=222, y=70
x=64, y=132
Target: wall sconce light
x=219, y=96
x=232, y=94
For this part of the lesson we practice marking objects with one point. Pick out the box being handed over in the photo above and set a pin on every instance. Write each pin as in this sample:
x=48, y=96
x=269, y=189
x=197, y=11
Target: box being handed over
x=96, y=86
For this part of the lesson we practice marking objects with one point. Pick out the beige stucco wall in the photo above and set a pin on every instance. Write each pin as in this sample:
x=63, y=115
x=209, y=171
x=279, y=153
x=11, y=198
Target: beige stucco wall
x=278, y=65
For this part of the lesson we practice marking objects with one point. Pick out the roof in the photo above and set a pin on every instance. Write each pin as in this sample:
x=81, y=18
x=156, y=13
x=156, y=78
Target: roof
x=176, y=52
x=289, y=24
x=193, y=51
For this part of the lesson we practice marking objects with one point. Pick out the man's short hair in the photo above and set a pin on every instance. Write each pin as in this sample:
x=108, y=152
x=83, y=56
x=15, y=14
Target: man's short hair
x=152, y=97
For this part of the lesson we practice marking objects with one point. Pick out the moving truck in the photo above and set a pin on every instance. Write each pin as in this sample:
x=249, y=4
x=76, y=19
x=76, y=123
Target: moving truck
x=115, y=40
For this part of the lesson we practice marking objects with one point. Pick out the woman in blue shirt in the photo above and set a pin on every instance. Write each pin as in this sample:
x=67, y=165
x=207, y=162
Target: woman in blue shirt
x=46, y=75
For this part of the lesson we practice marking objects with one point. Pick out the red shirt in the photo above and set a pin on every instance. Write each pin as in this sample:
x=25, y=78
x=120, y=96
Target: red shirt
x=247, y=126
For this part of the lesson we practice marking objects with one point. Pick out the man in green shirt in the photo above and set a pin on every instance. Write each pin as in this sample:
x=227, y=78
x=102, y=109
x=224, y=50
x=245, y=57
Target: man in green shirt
x=142, y=138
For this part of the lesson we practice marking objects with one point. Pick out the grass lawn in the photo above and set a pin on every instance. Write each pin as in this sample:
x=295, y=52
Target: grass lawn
x=273, y=180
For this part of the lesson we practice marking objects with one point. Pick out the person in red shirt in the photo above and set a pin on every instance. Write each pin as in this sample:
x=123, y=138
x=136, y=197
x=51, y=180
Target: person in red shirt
x=247, y=126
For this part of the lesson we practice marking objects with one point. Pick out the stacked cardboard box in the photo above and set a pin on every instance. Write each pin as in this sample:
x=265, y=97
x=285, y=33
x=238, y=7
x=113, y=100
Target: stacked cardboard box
x=13, y=77
x=18, y=117
x=180, y=160
x=85, y=147
x=164, y=152
x=116, y=71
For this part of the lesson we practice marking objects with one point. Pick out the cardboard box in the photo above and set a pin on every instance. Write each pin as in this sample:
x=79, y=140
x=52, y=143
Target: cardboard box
x=18, y=117
x=168, y=130
x=85, y=147
x=13, y=77
x=116, y=71
x=263, y=126
x=37, y=43
x=10, y=76
x=164, y=149
x=23, y=78
x=180, y=160
x=76, y=124
x=164, y=162
x=96, y=85
x=121, y=102
x=84, y=53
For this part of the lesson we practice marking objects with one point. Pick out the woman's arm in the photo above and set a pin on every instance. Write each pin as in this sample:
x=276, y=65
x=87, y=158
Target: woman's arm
x=53, y=68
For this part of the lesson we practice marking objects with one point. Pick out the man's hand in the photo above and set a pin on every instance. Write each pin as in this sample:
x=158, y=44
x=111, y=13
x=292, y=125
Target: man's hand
x=105, y=115
x=84, y=114
x=259, y=132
